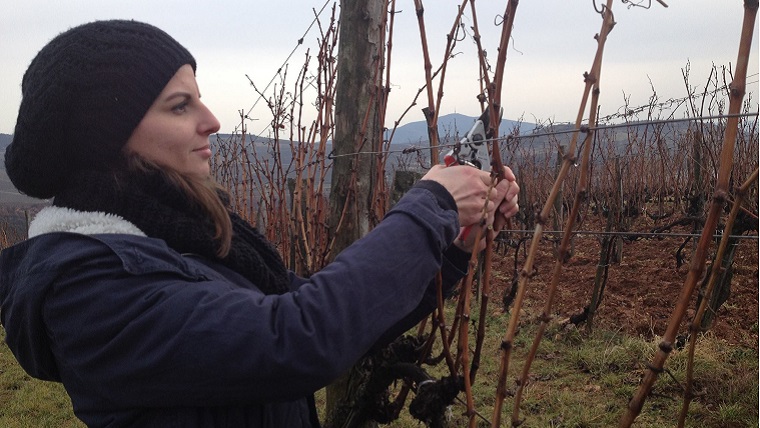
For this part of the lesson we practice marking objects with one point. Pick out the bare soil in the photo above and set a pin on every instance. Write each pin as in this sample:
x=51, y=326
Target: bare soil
x=641, y=290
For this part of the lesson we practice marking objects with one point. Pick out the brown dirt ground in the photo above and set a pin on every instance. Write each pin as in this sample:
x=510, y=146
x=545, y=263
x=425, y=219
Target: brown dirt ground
x=641, y=290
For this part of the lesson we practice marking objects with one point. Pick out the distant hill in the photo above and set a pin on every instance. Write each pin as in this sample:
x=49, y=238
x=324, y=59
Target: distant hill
x=5, y=141
x=453, y=125
x=535, y=141
x=8, y=193
x=10, y=196
x=411, y=134
x=450, y=125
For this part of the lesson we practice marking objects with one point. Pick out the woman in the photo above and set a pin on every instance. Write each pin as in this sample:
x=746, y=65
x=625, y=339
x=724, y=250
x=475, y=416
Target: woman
x=150, y=301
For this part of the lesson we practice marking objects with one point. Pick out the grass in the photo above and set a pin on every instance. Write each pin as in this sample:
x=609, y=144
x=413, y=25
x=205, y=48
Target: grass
x=577, y=380
x=30, y=403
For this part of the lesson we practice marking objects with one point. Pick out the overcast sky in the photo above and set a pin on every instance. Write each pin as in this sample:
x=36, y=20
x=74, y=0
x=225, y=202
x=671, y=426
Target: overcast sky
x=552, y=46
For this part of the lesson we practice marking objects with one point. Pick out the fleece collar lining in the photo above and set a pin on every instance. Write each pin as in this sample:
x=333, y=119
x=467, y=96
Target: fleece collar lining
x=60, y=219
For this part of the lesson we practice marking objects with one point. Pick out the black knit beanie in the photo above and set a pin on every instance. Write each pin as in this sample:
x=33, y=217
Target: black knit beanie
x=82, y=96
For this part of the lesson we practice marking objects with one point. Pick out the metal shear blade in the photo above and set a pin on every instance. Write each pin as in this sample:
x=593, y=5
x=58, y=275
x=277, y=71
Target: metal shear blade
x=471, y=143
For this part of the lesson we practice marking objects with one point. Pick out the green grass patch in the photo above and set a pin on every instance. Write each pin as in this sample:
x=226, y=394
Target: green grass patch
x=586, y=380
x=26, y=402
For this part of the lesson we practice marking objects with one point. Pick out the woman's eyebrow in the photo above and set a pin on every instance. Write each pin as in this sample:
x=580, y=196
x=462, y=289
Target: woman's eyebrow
x=179, y=94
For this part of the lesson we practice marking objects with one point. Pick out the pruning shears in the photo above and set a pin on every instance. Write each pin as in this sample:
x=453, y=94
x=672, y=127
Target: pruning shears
x=471, y=143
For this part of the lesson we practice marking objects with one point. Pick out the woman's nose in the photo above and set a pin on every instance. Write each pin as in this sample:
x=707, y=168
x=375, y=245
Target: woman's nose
x=209, y=124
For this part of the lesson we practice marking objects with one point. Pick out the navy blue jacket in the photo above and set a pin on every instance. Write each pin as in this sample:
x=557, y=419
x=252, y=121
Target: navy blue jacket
x=143, y=336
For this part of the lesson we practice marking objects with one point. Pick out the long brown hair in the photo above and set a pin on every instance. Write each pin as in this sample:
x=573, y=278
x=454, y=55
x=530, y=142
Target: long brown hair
x=203, y=191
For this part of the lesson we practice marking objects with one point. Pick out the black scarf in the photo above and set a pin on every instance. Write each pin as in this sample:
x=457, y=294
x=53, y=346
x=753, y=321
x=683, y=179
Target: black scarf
x=161, y=210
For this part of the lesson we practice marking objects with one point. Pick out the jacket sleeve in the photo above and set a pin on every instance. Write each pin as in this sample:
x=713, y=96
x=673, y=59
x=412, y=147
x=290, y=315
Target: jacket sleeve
x=451, y=272
x=136, y=335
x=454, y=266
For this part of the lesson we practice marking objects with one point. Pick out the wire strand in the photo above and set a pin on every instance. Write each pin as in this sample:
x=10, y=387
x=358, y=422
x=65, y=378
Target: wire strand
x=584, y=129
x=284, y=63
x=630, y=234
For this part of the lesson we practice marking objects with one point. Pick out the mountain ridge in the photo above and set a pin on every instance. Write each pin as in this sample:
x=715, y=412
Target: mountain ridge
x=412, y=132
x=453, y=124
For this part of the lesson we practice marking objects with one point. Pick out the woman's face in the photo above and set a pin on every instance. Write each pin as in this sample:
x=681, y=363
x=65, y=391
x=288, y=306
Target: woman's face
x=174, y=132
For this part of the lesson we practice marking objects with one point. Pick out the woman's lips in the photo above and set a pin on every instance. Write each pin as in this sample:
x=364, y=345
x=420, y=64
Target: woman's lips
x=203, y=151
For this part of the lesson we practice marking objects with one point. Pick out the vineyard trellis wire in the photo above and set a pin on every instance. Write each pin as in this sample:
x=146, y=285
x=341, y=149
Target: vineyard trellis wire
x=584, y=129
x=635, y=234
x=302, y=213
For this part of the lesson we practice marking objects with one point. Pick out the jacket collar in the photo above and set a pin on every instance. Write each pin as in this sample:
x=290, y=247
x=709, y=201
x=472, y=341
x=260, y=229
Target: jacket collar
x=60, y=219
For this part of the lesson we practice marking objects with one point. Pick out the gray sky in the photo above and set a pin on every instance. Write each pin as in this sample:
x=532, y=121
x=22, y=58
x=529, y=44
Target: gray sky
x=552, y=46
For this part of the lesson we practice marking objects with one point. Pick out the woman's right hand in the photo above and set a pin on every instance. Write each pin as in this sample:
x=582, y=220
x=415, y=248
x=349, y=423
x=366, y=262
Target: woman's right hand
x=470, y=189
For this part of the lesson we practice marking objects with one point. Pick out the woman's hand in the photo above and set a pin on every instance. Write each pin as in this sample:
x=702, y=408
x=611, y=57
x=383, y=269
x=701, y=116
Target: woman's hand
x=508, y=207
x=471, y=190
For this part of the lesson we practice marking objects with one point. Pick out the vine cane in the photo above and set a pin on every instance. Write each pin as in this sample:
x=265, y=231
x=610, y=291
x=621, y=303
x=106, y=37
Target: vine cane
x=526, y=272
x=716, y=272
x=563, y=254
x=696, y=268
